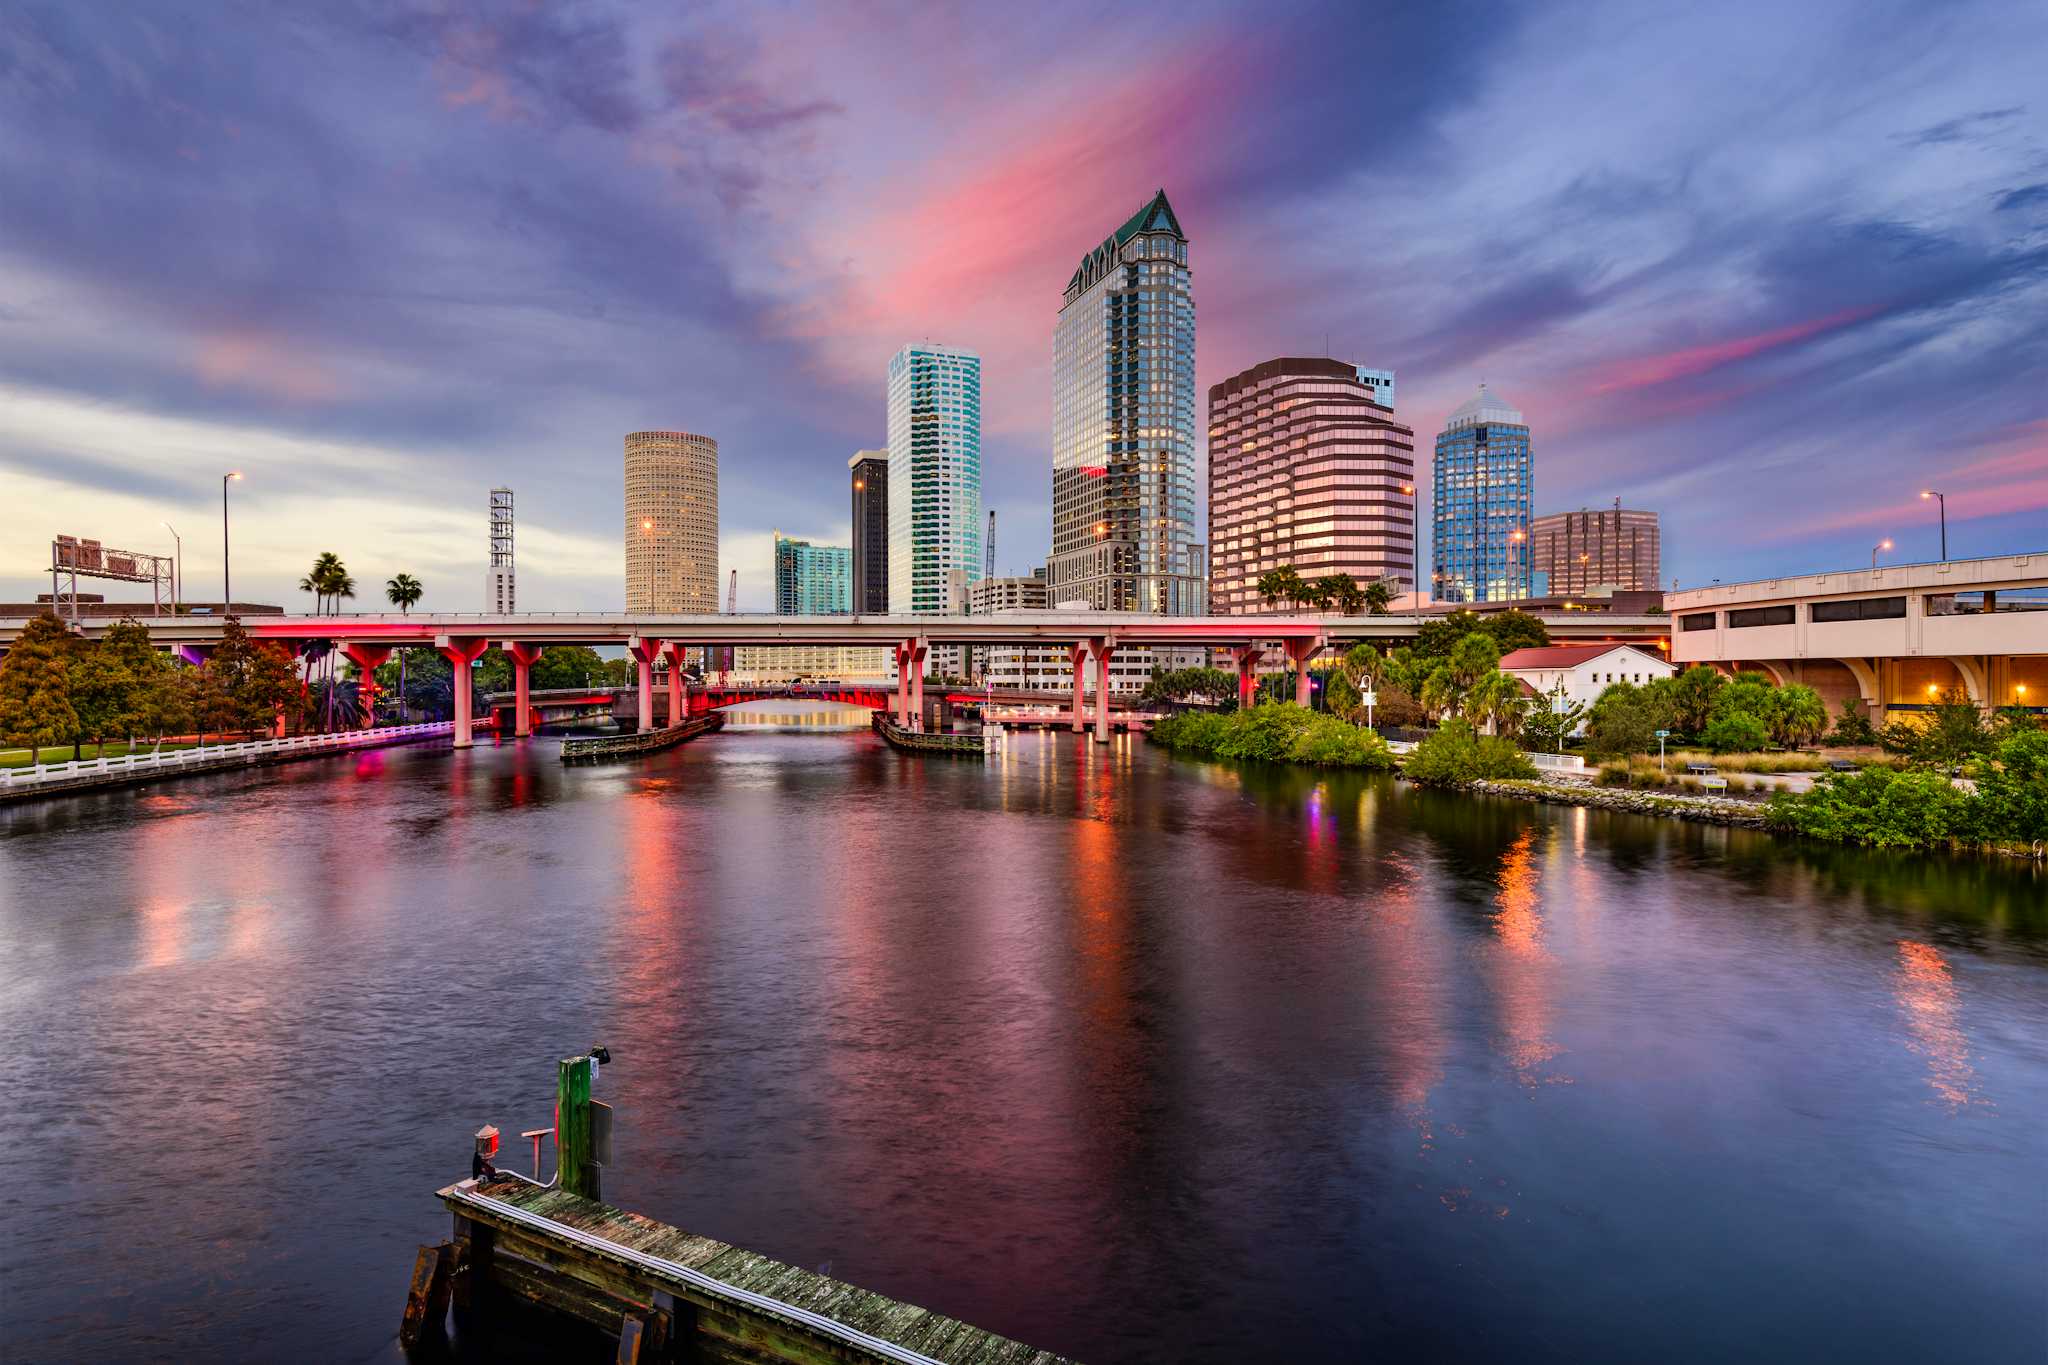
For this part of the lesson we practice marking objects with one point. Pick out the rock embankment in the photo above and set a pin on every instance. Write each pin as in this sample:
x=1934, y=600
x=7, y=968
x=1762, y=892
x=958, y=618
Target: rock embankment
x=1708, y=810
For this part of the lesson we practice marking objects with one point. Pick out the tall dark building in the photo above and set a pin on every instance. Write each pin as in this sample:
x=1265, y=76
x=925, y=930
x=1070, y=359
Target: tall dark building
x=870, y=479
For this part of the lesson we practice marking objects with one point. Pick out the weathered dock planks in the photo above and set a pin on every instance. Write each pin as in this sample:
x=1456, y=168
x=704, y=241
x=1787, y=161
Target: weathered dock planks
x=928, y=742
x=737, y=1306
x=599, y=748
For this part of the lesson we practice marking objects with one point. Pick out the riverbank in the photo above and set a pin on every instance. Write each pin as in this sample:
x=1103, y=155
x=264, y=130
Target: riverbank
x=1709, y=810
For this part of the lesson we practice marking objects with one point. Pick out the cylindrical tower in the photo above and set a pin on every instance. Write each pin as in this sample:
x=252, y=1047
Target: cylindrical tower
x=671, y=522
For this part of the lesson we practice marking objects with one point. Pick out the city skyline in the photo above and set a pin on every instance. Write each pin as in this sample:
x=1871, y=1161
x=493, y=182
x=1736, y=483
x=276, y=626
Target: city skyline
x=236, y=272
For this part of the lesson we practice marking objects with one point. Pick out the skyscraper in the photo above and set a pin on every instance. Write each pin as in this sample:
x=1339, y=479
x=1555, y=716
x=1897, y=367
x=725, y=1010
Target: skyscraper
x=1615, y=547
x=500, y=585
x=1484, y=485
x=812, y=580
x=1307, y=469
x=671, y=522
x=1123, y=438
x=870, y=479
x=934, y=478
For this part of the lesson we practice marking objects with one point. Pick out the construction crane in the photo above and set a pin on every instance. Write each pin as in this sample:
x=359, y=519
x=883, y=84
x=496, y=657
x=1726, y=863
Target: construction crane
x=988, y=549
x=732, y=594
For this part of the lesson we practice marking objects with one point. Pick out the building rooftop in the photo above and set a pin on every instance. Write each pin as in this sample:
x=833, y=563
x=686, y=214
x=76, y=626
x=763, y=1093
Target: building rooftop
x=1156, y=216
x=1554, y=656
x=1483, y=406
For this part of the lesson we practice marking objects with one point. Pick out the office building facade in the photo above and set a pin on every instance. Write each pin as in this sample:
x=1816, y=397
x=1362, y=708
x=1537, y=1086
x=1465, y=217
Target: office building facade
x=1597, y=551
x=1483, y=479
x=1307, y=469
x=934, y=478
x=868, y=473
x=671, y=522
x=812, y=580
x=1124, y=425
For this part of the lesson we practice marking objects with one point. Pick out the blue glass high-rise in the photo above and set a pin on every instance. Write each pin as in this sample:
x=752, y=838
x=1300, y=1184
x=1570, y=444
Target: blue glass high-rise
x=1484, y=482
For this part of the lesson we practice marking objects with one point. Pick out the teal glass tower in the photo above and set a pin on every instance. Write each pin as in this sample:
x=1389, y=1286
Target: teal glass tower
x=934, y=479
x=812, y=580
x=1123, y=432
x=1484, y=484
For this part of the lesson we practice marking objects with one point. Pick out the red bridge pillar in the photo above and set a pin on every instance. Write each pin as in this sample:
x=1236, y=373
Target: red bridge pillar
x=1103, y=649
x=677, y=710
x=366, y=658
x=644, y=653
x=1247, y=660
x=1299, y=653
x=523, y=656
x=461, y=651
x=918, y=651
x=1077, y=656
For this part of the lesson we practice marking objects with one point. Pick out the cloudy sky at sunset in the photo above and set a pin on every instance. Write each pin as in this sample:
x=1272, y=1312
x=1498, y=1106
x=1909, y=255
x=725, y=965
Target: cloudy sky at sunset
x=1766, y=268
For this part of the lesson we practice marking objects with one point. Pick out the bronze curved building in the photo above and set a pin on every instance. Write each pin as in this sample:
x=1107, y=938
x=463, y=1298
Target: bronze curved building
x=671, y=522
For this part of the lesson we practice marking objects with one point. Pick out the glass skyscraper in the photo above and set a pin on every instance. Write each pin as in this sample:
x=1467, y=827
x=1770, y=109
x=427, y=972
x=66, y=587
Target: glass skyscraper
x=1123, y=437
x=1484, y=484
x=868, y=472
x=812, y=580
x=934, y=478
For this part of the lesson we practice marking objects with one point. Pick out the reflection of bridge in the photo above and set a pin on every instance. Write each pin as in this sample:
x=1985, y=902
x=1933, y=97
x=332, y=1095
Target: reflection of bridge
x=558, y=705
x=1085, y=635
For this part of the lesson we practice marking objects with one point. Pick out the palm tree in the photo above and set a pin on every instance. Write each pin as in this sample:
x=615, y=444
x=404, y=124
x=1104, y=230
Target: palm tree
x=1439, y=692
x=325, y=565
x=1495, y=703
x=1378, y=598
x=402, y=591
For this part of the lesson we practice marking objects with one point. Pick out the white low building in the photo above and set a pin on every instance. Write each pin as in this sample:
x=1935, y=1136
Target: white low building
x=1584, y=670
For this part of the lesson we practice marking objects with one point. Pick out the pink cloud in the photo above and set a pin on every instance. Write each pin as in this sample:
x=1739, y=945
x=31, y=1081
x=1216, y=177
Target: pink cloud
x=1662, y=369
x=2011, y=477
x=262, y=362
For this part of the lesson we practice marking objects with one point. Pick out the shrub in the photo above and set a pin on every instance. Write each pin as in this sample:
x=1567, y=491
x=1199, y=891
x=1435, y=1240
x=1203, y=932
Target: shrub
x=1275, y=733
x=2012, y=790
x=1735, y=732
x=1328, y=742
x=1615, y=775
x=1456, y=755
x=1882, y=807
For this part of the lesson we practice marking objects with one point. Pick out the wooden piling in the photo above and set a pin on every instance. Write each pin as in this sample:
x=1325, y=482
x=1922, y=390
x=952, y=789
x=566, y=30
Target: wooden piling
x=426, y=1303
x=572, y=1127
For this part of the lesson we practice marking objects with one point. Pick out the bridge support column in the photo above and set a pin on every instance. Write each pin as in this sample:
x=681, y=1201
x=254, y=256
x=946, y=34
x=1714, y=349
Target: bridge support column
x=366, y=658
x=1299, y=653
x=1247, y=660
x=644, y=653
x=461, y=651
x=918, y=652
x=677, y=711
x=1077, y=655
x=522, y=656
x=1103, y=649
x=902, y=703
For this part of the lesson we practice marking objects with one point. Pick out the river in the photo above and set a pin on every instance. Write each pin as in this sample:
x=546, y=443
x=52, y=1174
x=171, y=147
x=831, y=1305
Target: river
x=1131, y=1057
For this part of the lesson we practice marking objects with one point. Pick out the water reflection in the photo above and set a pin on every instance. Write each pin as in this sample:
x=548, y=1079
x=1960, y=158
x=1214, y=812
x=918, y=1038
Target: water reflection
x=1132, y=1057
x=1928, y=997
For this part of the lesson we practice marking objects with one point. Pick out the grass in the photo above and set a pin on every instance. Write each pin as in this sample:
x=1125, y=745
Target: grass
x=61, y=753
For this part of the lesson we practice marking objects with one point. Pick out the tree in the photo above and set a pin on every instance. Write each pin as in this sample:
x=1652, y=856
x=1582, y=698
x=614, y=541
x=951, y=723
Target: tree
x=1620, y=722
x=1183, y=684
x=1946, y=735
x=1340, y=694
x=102, y=695
x=1735, y=732
x=268, y=687
x=1495, y=703
x=325, y=565
x=1693, y=694
x=156, y=704
x=1436, y=638
x=35, y=687
x=1472, y=658
x=1377, y=597
x=1440, y=692
x=1852, y=727
x=1797, y=716
x=223, y=697
x=404, y=592
x=1282, y=585
x=1512, y=630
x=1552, y=719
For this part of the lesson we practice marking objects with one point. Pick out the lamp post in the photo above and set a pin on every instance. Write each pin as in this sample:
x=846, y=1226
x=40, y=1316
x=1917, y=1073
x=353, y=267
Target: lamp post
x=177, y=567
x=1942, y=503
x=1881, y=545
x=227, y=594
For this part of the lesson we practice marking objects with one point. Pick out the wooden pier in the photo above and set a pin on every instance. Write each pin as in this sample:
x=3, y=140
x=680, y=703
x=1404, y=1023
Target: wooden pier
x=929, y=741
x=532, y=1261
x=663, y=1294
x=600, y=748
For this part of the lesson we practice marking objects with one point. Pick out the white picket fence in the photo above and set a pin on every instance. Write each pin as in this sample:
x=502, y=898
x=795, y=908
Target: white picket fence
x=172, y=761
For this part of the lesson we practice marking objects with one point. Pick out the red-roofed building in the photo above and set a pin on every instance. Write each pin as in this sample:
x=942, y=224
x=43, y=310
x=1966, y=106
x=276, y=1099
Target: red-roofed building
x=1585, y=671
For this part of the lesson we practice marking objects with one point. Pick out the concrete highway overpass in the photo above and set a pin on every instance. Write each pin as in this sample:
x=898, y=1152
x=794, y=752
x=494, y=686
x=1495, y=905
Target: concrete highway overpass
x=1896, y=637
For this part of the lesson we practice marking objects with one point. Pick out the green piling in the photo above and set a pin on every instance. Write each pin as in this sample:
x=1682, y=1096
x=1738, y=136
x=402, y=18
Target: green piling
x=572, y=1127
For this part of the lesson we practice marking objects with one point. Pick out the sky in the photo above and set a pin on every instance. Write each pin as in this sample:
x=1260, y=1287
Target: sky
x=1766, y=269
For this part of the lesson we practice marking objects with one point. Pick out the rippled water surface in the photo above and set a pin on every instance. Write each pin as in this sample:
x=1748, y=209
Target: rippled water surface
x=1131, y=1057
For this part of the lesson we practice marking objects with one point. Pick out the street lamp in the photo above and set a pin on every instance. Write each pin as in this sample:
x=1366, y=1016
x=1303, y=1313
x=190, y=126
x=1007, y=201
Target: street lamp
x=227, y=595
x=1881, y=545
x=178, y=568
x=1927, y=493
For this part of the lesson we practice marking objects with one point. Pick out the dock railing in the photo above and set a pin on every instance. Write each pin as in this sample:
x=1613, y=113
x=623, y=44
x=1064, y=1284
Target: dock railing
x=169, y=762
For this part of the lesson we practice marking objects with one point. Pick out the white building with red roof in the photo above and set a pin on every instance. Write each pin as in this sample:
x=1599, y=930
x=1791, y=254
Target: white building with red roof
x=1584, y=670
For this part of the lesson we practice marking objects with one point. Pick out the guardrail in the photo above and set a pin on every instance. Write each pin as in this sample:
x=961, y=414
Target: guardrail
x=82, y=772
